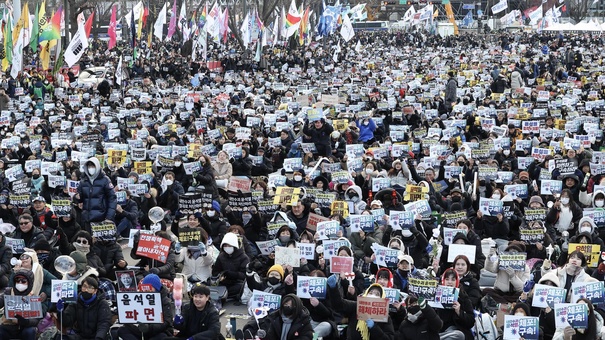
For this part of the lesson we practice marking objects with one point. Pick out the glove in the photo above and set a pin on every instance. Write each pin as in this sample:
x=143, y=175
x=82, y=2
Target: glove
x=60, y=305
x=421, y=302
x=178, y=320
x=154, y=271
x=414, y=230
x=510, y=271
x=370, y=323
x=568, y=333
x=248, y=269
x=143, y=328
x=21, y=321
x=332, y=281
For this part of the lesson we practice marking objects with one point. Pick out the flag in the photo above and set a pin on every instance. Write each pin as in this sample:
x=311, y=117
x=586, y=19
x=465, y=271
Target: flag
x=358, y=47
x=293, y=19
x=336, y=51
x=260, y=313
x=224, y=24
x=346, y=30
x=500, y=6
x=172, y=25
x=132, y=31
x=213, y=23
x=22, y=24
x=52, y=30
x=535, y=15
x=450, y=16
x=409, y=14
x=119, y=72
x=140, y=20
x=17, y=65
x=158, y=27
x=303, y=28
x=8, y=42
x=16, y=11
x=111, y=30
x=467, y=21
x=88, y=24
x=245, y=29
x=203, y=15
x=282, y=24
x=77, y=46
x=357, y=13
x=33, y=42
x=182, y=17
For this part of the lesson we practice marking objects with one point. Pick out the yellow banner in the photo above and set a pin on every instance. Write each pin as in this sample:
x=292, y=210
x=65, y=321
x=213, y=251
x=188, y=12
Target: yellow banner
x=450, y=15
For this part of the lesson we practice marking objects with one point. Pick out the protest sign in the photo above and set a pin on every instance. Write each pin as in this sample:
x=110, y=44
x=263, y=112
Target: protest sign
x=189, y=236
x=445, y=297
x=548, y=296
x=190, y=203
x=516, y=190
x=401, y=219
x=153, y=247
x=331, y=247
x=341, y=264
x=450, y=233
x=571, y=314
x=514, y=261
x=21, y=186
x=451, y=219
x=307, y=250
x=592, y=291
x=29, y=307
x=241, y=201
x=425, y=288
x=103, y=230
x=538, y=214
x=415, y=192
x=139, y=307
x=531, y=236
x=66, y=290
x=313, y=220
x=597, y=215
x=327, y=229
x=239, y=183
x=461, y=249
x=566, y=166
x=592, y=252
x=490, y=207
x=550, y=187
x=266, y=247
x=385, y=257
x=17, y=244
x=286, y=195
x=373, y=308
x=521, y=327
x=361, y=222
x=261, y=299
x=393, y=294
x=287, y=256
x=308, y=287
x=61, y=207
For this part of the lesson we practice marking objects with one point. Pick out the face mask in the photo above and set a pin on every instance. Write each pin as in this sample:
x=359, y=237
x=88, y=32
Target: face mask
x=369, y=171
x=461, y=163
x=496, y=196
x=21, y=287
x=456, y=198
x=36, y=176
x=228, y=250
x=288, y=310
x=506, y=152
x=585, y=229
x=565, y=200
x=284, y=239
x=92, y=170
x=177, y=164
x=211, y=213
x=42, y=258
x=85, y=248
x=168, y=182
x=86, y=296
x=599, y=203
x=366, y=123
x=26, y=146
x=519, y=314
x=273, y=281
x=39, y=130
x=298, y=178
x=406, y=233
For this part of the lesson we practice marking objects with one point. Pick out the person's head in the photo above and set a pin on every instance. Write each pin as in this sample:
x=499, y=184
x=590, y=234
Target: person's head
x=154, y=281
x=36, y=173
x=23, y=281
x=82, y=241
x=344, y=251
x=126, y=279
x=384, y=278
x=193, y=221
x=521, y=309
x=90, y=287
x=26, y=223
x=229, y=243
x=406, y=263
x=200, y=294
x=298, y=208
x=318, y=124
x=536, y=202
x=450, y=278
x=586, y=225
x=290, y=306
x=576, y=259
x=566, y=196
x=375, y=290
x=223, y=156
x=588, y=304
x=169, y=178
x=306, y=237
x=461, y=265
x=429, y=174
x=275, y=274
x=42, y=249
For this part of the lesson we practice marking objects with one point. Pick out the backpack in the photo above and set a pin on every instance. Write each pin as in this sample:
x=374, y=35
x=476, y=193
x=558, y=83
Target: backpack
x=484, y=329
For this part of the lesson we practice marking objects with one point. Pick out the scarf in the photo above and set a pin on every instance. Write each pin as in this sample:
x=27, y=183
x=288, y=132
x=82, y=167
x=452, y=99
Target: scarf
x=285, y=327
x=362, y=328
x=84, y=248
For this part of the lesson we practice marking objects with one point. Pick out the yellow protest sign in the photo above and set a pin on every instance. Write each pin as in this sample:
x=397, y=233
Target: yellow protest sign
x=286, y=195
x=340, y=207
x=415, y=192
x=590, y=251
x=116, y=157
x=142, y=168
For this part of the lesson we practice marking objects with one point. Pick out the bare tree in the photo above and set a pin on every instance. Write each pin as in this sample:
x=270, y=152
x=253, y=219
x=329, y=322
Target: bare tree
x=578, y=9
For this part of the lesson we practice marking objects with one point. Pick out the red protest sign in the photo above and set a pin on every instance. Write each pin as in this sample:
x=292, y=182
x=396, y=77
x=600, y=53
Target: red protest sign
x=236, y=183
x=313, y=219
x=372, y=308
x=153, y=247
x=341, y=264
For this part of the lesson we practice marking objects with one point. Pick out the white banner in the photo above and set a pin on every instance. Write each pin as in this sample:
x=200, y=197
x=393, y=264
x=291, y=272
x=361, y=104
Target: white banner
x=499, y=7
x=77, y=46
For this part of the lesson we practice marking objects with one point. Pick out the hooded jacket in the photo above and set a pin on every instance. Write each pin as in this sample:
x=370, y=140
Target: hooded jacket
x=89, y=321
x=355, y=206
x=425, y=326
x=200, y=325
x=463, y=322
x=29, y=276
x=273, y=323
x=233, y=266
x=97, y=194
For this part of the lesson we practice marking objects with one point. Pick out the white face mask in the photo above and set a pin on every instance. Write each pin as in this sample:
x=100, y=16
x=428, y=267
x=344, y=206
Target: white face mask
x=599, y=203
x=519, y=314
x=565, y=200
x=406, y=233
x=168, y=182
x=21, y=287
x=496, y=196
x=228, y=250
x=211, y=213
x=506, y=152
x=297, y=178
x=92, y=170
x=585, y=229
x=177, y=164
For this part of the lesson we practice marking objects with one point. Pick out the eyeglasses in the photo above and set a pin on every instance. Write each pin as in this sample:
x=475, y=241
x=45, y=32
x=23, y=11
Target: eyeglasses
x=21, y=281
x=88, y=288
x=82, y=241
x=24, y=222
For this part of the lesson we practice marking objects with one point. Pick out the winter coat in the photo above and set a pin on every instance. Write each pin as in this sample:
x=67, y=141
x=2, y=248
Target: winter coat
x=366, y=132
x=130, y=210
x=110, y=253
x=200, y=267
x=97, y=194
x=464, y=322
x=451, y=95
x=272, y=324
x=426, y=327
x=31, y=238
x=232, y=266
x=199, y=325
x=559, y=276
x=166, y=269
x=88, y=321
x=216, y=228
x=321, y=136
x=504, y=282
x=222, y=170
x=516, y=80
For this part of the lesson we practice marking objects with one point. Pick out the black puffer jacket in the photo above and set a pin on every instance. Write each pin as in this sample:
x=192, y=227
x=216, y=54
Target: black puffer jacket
x=31, y=238
x=164, y=270
x=96, y=192
x=199, y=325
x=233, y=266
x=426, y=327
x=300, y=329
x=110, y=253
x=88, y=321
x=6, y=253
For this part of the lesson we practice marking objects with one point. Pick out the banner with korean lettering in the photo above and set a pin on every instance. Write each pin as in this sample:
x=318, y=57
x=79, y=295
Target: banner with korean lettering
x=531, y=236
x=362, y=222
x=261, y=299
x=139, y=307
x=307, y=250
x=521, y=327
x=445, y=297
x=597, y=215
x=189, y=236
x=516, y=190
x=450, y=233
x=421, y=207
x=373, y=308
x=514, y=261
x=401, y=219
x=490, y=207
x=548, y=296
x=571, y=314
x=538, y=214
x=551, y=187
x=103, y=230
x=29, y=307
x=425, y=288
x=592, y=291
x=66, y=290
x=153, y=247
x=451, y=219
x=331, y=247
x=308, y=287
x=393, y=294
x=341, y=264
x=327, y=229
x=385, y=257
x=590, y=251
x=266, y=247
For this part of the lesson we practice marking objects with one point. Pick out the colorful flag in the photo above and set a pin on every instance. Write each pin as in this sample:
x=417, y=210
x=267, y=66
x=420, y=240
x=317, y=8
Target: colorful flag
x=158, y=27
x=467, y=21
x=303, y=28
x=33, y=43
x=8, y=42
x=172, y=25
x=111, y=31
x=119, y=72
x=203, y=15
x=293, y=19
x=77, y=46
x=52, y=30
x=450, y=15
x=88, y=24
x=22, y=23
x=132, y=31
x=224, y=28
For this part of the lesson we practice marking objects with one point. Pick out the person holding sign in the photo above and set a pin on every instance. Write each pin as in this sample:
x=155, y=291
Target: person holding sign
x=90, y=317
x=509, y=281
x=199, y=319
x=572, y=271
x=458, y=321
x=588, y=333
x=273, y=284
x=20, y=326
x=290, y=322
x=564, y=213
x=230, y=265
x=27, y=231
x=361, y=329
x=320, y=133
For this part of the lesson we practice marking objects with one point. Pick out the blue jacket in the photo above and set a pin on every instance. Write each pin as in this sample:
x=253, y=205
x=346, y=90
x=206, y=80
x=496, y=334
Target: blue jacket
x=97, y=195
x=366, y=132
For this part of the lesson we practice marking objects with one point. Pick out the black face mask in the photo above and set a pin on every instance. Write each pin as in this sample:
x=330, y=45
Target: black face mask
x=86, y=295
x=35, y=176
x=288, y=310
x=456, y=198
x=461, y=163
x=273, y=281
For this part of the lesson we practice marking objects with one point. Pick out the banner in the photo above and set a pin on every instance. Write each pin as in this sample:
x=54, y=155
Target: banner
x=29, y=307
x=451, y=219
x=385, y=257
x=261, y=299
x=266, y=247
x=190, y=203
x=425, y=288
x=139, y=308
x=590, y=251
x=362, y=222
x=490, y=207
x=401, y=219
x=515, y=261
x=450, y=233
x=331, y=247
x=592, y=291
x=103, y=230
x=66, y=290
x=308, y=287
x=153, y=247
x=287, y=256
x=341, y=264
x=571, y=314
x=499, y=7
x=445, y=297
x=189, y=236
x=327, y=229
x=521, y=327
x=548, y=296
x=307, y=250
x=373, y=308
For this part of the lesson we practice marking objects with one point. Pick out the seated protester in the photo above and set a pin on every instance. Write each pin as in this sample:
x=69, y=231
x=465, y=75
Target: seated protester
x=199, y=319
x=22, y=284
x=69, y=225
x=90, y=317
x=27, y=231
x=415, y=242
x=248, y=247
x=496, y=227
x=307, y=237
x=361, y=243
x=572, y=271
x=458, y=321
x=421, y=321
x=6, y=253
x=83, y=243
x=165, y=270
x=523, y=309
x=349, y=292
x=127, y=216
x=42, y=282
x=405, y=270
x=537, y=250
x=384, y=278
x=285, y=234
x=110, y=253
x=291, y=321
x=230, y=265
x=563, y=215
x=394, y=243
x=590, y=332
x=509, y=282
x=152, y=331
x=46, y=256
x=273, y=284
x=460, y=238
x=360, y=329
x=586, y=235
x=468, y=282
x=254, y=228
x=44, y=218
x=547, y=314
x=214, y=224
x=197, y=259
